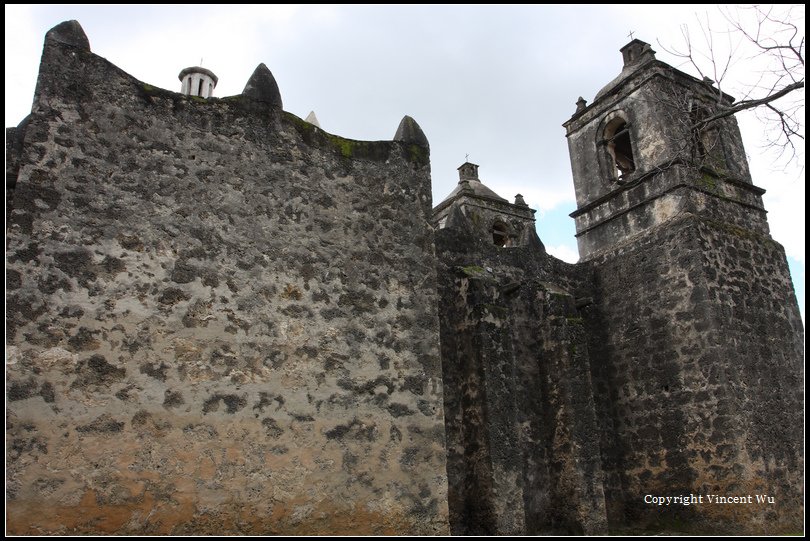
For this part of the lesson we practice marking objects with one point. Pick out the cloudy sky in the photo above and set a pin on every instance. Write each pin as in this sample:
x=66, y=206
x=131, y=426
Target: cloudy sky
x=491, y=82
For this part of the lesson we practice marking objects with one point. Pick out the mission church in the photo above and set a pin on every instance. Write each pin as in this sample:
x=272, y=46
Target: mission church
x=223, y=319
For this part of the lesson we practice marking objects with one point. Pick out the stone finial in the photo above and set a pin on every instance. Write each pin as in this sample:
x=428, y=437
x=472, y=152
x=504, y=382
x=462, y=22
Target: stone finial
x=262, y=86
x=581, y=104
x=70, y=33
x=312, y=119
x=520, y=201
x=410, y=132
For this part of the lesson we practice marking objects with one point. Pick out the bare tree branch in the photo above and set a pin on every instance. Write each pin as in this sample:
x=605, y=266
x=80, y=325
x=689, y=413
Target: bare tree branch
x=769, y=42
x=750, y=104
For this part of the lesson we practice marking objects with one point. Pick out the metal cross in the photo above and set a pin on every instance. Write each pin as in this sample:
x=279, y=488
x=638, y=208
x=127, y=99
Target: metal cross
x=630, y=35
x=466, y=157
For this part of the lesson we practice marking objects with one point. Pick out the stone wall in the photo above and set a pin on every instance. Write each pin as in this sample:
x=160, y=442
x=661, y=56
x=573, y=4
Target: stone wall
x=220, y=318
x=523, y=449
x=696, y=350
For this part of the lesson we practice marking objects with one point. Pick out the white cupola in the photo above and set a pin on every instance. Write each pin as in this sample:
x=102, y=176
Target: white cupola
x=198, y=81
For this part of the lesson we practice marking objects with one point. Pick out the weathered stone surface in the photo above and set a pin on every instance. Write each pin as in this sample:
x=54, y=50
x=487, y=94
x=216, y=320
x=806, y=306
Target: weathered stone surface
x=521, y=426
x=262, y=87
x=523, y=444
x=69, y=33
x=696, y=365
x=172, y=370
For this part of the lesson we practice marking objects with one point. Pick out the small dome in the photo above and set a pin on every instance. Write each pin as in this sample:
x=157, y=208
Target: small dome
x=478, y=189
x=468, y=175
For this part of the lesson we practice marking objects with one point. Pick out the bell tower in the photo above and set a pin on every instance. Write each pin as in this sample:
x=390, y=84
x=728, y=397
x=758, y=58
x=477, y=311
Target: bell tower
x=644, y=152
x=695, y=338
x=494, y=219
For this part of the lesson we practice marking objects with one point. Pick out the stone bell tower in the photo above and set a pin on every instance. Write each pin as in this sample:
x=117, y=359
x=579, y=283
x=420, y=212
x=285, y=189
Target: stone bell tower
x=696, y=342
x=641, y=155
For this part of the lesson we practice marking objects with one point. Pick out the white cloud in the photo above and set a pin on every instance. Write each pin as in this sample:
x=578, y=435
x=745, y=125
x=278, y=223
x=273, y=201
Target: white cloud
x=500, y=95
x=564, y=252
x=21, y=62
x=784, y=198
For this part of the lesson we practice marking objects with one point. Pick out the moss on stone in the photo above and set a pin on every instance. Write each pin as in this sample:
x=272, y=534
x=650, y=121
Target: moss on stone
x=360, y=150
x=707, y=182
x=304, y=128
x=349, y=149
x=472, y=270
x=418, y=155
x=742, y=233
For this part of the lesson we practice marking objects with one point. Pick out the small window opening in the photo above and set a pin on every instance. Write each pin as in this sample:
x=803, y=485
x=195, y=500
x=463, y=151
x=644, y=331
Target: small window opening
x=500, y=234
x=706, y=139
x=697, y=115
x=617, y=136
x=199, y=89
